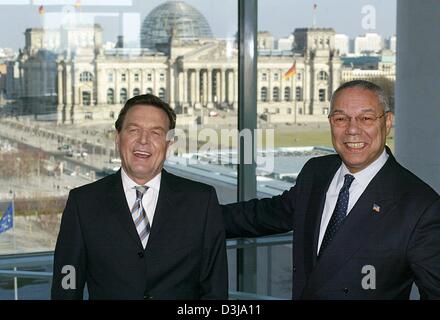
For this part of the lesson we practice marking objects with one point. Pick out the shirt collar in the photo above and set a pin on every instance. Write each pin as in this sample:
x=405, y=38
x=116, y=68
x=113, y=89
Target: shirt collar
x=364, y=176
x=129, y=184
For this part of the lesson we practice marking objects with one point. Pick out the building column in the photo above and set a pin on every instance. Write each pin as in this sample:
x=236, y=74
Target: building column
x=417, y=89
x=179, y=88
x=185, y=87
x=223, y=93
x=216, y=78
x=116, y=87
x=197, y=86
x=270, y=85
x=155, y=80
x=209, y=83
x=172, y=89
x=205, y=87
x=60, y=84
x=61, y=111
x=129, y=85
x=97, y=93
x=75, y=88
x=68, y=85
x=143, y=86
x=307, y=90
x=192, y=87
x=236, y=89
x=293, y=86
x=281, y=92
x=69, y=93
x=230, y=79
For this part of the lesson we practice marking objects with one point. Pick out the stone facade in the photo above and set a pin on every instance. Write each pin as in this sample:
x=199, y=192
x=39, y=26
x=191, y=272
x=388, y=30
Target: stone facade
x=81, y=81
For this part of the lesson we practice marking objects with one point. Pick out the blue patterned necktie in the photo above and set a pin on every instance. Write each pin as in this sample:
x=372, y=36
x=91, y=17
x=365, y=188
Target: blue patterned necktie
x=139, y=216
x=339, y=213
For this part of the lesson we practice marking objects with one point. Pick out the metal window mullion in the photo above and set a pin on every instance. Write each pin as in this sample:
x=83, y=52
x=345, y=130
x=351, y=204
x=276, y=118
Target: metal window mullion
x=247, y=119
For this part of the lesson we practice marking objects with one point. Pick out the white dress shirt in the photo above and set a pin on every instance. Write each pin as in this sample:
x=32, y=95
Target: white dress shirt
x=149, y=200
x=358, y=186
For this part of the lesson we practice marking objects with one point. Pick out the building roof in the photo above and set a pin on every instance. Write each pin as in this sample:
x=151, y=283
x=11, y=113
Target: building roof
x=173, y=18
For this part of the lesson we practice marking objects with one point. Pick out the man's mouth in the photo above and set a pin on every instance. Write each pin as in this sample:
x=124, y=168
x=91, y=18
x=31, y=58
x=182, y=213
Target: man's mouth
x=355, y=145
x=142, y=154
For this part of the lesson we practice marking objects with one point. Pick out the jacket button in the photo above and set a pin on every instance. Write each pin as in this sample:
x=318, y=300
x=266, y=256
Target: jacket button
x=141, y=254
x=345, y=290
x=294, y=269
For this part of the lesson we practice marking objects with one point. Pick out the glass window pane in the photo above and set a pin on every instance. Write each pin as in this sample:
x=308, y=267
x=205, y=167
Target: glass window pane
x=305, y=52
x=65, y=81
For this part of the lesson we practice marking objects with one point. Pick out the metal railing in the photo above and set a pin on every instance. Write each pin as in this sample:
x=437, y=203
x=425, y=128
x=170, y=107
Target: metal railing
x=14, y=266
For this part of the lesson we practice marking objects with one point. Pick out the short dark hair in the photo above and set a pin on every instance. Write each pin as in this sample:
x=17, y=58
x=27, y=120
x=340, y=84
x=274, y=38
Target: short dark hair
x=147, y=100
x=366, y=85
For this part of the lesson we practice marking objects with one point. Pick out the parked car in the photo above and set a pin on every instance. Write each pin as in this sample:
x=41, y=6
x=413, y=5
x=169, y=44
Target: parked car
x=65, y=148
x=78, y=154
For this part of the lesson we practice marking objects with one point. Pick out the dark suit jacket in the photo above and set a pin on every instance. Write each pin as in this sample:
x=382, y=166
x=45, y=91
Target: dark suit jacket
x=185, y=257
x=402, y=241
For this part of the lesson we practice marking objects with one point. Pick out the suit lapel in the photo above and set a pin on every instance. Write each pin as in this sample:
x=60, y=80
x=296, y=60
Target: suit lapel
x=118, y=207
x=314, y=211
x=357, y=227
x=164, y=209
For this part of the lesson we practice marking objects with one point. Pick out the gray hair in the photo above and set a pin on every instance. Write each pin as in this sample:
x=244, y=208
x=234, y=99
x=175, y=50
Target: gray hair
x=366, y=85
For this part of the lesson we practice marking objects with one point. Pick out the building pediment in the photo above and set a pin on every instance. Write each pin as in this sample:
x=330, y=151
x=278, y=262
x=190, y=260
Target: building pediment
x=215, y=51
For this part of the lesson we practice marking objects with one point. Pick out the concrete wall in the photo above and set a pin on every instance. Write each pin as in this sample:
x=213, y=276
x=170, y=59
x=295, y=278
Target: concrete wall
x=418, y=89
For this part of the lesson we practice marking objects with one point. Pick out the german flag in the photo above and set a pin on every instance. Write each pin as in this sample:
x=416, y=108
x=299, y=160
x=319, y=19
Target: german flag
x=291, y=72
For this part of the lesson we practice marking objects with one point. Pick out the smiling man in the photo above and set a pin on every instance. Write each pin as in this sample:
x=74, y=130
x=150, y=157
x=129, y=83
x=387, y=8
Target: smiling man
x=142, y=233
x=364, y=227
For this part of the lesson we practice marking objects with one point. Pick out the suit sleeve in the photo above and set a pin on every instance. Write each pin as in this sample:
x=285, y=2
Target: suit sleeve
x=262, y=217
x=424, y=253
x=214, y=269
x=70, y=257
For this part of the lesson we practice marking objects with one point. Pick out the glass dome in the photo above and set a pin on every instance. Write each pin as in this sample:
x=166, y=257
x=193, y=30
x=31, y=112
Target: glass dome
x=176, y=17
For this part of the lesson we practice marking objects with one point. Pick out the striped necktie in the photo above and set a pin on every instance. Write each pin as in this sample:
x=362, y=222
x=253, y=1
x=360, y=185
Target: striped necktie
x=139, y=216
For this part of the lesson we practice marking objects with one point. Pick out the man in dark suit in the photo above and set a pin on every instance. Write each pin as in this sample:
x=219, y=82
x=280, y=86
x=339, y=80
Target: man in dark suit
x=142, y=233
x=363, y=226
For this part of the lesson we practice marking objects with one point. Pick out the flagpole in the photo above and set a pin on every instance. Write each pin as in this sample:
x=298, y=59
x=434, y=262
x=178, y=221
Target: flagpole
x=15, y=286
x=314, y=16
x=41, y=11
x=13, y=222
x=15, y=245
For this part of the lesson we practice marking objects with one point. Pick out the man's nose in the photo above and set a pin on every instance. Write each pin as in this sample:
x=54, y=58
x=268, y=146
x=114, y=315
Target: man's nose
x=353, y=127
x=144, y=137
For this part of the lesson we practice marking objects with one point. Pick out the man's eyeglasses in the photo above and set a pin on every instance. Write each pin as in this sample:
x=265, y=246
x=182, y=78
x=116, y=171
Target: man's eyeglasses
x=365, y=120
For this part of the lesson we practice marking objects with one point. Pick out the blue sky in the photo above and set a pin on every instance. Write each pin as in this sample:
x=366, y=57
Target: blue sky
x=280, y=17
